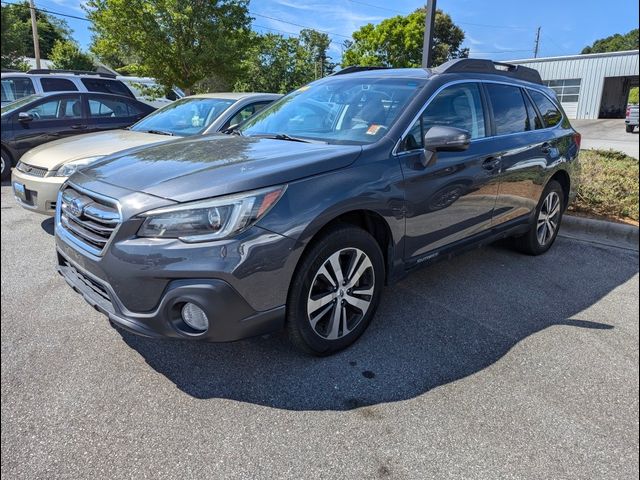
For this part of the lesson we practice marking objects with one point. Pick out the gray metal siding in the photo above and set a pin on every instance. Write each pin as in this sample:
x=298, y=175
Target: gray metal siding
x=592, y=69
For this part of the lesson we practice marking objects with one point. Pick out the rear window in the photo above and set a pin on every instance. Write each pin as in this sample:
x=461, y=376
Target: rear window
x=57, y=85
x=15, y=88
x=509, y=111
x=106, y=86
x=550, y=113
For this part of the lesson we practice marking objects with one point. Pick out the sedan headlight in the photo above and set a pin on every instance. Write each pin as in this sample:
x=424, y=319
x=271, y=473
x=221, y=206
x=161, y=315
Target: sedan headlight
x=70, y=168
x=212, y=219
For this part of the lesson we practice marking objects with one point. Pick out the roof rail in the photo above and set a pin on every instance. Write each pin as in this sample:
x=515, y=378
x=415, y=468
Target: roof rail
x=476, y=65
x=6, y=70
x=45, y=71
x=357, y=68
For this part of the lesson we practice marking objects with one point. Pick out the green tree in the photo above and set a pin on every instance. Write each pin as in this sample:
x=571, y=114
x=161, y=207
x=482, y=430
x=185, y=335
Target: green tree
x=280, y=64
x=67, y=56
x=397, y=42
x=178, y=42
x=614, y=43
x=17, y=38
x=633, y=95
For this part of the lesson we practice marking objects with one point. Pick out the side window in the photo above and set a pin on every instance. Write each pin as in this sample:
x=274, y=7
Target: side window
x=57, y=109
x=135, y=109
x=550, y=113
x=57, y=85
x=533, y=119
x=15, y=88
x=108, y=108
x=245, y=113
x=509, y=111
x=106, y=86
x=457, y=106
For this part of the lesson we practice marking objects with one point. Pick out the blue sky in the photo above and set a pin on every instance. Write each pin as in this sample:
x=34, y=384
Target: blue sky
x=498, y=29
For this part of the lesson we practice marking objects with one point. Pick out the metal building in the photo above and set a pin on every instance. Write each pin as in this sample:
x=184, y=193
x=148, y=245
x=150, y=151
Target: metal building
x=594, y=85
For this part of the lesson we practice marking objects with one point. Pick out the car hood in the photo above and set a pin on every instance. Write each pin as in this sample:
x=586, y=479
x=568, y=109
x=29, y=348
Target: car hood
x=53, y=154
x=213, y=165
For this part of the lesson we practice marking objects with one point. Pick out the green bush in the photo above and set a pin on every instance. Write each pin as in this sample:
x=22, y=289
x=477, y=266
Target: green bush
x=608, y=185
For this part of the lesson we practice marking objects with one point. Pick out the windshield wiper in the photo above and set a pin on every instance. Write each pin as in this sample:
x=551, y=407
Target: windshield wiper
x=289, y=138
x=161, y=132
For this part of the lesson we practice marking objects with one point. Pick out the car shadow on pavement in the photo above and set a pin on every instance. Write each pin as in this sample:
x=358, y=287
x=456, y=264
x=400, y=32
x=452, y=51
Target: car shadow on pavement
x=438, y=325
x=48, y=225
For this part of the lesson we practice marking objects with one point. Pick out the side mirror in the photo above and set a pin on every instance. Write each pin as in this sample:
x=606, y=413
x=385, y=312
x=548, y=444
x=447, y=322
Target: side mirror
x=440, y=138
x=25, y=117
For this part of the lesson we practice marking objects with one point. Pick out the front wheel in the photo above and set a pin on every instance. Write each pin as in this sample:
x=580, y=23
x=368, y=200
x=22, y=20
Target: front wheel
x=6, y=165
x=629, y=128
x=546, y=222
x=335, y=291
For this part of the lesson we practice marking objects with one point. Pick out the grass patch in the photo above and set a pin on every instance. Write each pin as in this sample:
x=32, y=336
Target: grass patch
x=608, y=185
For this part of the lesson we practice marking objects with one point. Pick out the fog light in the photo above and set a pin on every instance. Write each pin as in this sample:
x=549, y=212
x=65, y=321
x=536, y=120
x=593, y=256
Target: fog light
x=195, y=317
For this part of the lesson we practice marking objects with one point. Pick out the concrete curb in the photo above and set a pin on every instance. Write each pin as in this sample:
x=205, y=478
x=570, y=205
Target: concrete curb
x=600, y=231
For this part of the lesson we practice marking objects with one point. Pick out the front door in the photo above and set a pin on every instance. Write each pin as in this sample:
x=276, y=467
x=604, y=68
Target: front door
x=453, y=197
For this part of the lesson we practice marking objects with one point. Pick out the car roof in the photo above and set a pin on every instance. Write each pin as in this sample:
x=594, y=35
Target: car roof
x=236, y=95
x=390, y=72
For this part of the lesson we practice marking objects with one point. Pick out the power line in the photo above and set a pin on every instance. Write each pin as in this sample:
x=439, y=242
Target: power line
x=299, y=25
x=59, y=14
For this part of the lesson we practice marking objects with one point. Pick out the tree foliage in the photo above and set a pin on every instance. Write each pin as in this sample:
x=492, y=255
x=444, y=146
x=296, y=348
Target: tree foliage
x=66, y=55
x=178, y=42
x=280, y=64
x=17, y=37
x=397, y=42
x=614, y=43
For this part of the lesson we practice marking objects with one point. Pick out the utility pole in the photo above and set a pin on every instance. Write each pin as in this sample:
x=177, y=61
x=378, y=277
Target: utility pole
x=427, y=43
x=535, y=49
x=34, y=28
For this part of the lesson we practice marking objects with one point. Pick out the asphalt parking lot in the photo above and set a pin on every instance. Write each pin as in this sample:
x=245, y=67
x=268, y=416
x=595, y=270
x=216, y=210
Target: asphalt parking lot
x=492, y=365
x=608, y=134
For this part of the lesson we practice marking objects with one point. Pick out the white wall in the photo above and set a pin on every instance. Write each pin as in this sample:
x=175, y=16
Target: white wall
x=592, y=69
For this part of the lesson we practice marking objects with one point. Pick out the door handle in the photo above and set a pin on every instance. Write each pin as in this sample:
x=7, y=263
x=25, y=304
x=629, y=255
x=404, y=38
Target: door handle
x=78, y=127
x=491, y=163
x=546, y=147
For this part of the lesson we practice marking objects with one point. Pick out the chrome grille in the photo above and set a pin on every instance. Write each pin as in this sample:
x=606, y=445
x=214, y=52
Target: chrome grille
x=31, y=170
x=90, y=220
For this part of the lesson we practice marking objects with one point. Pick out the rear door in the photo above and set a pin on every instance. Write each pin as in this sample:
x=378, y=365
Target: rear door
x=53, y=117
x=108, y=112
x=527, y=148
x=452, y=198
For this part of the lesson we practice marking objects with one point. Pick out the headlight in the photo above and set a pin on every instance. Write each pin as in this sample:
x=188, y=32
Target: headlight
x=70, y=168
x=212, y=219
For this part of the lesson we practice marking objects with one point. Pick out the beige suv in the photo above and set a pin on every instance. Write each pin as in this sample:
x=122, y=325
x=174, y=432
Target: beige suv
x=42, y=170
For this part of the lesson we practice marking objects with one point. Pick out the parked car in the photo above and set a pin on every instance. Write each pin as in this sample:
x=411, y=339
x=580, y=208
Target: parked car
x=17, y=85
x=41, y=171
x=149, y=91
x=38, y=119
x=631, y=118
x=317, y=202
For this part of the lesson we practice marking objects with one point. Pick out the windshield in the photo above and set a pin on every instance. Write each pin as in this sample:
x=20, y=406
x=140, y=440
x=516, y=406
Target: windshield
x=184, y=117
x=19, y=103
x=338, y=110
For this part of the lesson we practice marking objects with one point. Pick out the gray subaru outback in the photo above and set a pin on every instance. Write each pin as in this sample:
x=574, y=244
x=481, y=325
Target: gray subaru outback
x=299, y=216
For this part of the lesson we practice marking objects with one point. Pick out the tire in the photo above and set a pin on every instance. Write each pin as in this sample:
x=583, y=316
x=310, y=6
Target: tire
x=6, y=165
x=629, y=128
x=542, y=234
x=314, y=287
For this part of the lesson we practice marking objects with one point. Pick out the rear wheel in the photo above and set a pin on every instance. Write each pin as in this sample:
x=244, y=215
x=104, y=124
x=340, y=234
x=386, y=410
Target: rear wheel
x=6, y=164
x=629, y=128
x=546, y=223
x=335, y=291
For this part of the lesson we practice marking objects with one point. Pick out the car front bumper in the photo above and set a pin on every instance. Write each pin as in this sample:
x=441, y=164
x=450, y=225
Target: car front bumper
x=40, y=192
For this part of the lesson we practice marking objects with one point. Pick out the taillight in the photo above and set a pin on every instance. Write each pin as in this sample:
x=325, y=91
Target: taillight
x=577, y=138
x=628, y=111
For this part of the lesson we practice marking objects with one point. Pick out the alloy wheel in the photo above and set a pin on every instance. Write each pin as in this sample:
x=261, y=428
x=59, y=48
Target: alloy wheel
x=341, y=293
x=548, y=218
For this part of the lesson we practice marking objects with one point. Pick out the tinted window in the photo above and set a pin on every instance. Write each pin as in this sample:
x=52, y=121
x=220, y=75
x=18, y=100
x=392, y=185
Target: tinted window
x=15, y=88
x=245, y=113
x=57, y=85
x=550, y=113
x=509, y=111
x=137, y=109
x=533, y=119
x=106, y=86
x=108, y=108
x=458, y=106
x=55, y=109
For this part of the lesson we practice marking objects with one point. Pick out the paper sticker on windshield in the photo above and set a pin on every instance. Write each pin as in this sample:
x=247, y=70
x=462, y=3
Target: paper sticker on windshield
x=373, y=129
